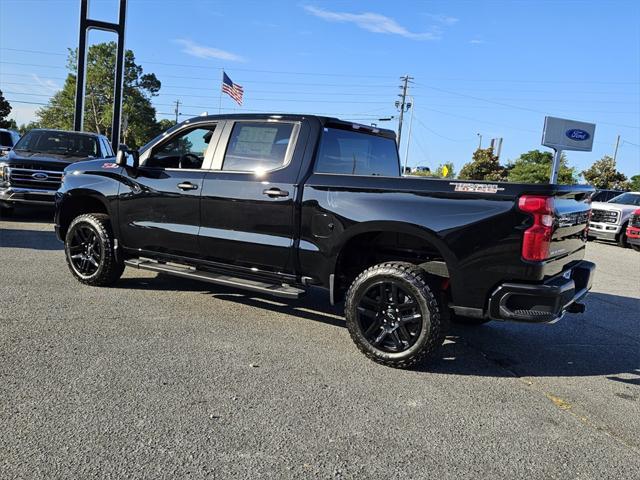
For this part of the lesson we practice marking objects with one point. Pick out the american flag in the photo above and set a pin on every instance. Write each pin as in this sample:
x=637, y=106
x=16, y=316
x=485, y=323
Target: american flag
x=234, y=90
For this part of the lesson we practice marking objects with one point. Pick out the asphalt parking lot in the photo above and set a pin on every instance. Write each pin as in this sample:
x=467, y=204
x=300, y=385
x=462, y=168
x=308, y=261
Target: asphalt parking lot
x=166, y=378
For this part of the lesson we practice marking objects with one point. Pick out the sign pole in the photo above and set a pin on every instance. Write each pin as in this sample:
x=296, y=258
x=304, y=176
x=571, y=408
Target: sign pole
x=87, y=24
x=555, y=166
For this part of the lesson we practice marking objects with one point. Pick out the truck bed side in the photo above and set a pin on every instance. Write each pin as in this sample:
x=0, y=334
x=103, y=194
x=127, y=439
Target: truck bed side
x=474, y=227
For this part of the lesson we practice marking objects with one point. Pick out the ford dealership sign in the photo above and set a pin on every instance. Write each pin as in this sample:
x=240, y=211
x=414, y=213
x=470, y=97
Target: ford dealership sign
x=577, y=134
x=563, y=134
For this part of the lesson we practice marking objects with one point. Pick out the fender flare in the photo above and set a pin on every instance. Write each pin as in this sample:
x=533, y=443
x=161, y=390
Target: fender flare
x=391, y=226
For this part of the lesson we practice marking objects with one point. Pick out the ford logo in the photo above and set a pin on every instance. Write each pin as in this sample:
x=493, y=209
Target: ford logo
x=39, y=176
x=577, y=134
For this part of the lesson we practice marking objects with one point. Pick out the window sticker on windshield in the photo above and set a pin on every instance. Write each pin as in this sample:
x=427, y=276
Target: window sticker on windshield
x=109, y=165
x=476, y=187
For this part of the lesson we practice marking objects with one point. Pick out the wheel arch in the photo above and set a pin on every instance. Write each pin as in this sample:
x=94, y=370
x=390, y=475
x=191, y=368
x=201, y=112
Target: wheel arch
x=369, y=243
x=77, y=202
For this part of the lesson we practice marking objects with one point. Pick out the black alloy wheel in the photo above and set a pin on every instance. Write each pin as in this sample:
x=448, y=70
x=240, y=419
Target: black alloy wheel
x=85, y=250
x=395, y=314
x=89, y=249
x=389, y=316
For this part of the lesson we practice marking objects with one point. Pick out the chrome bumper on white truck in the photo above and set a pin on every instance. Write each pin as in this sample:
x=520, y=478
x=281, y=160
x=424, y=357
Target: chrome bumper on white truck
x=603, y=230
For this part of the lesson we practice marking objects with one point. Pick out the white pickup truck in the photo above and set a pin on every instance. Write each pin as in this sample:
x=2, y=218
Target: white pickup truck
x=609, y=220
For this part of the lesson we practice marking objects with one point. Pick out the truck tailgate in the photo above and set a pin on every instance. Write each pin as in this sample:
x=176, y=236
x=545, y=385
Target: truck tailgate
x=571, y=221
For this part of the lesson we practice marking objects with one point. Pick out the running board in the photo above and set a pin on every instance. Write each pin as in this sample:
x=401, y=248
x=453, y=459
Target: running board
x=278, y=290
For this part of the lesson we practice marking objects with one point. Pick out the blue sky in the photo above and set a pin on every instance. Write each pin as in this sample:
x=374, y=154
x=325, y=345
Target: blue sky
x=494, y=68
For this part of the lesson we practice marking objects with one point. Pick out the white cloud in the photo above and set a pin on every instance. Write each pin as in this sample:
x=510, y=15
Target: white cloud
x=373, y=22
x=476, y=41
x=202, y=51
x=443, y=19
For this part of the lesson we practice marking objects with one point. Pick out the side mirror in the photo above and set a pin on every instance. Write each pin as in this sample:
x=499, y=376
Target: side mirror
x=127, y=158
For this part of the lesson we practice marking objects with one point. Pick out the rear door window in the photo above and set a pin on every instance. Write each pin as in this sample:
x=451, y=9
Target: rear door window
x=258, y=146
x=355, y=153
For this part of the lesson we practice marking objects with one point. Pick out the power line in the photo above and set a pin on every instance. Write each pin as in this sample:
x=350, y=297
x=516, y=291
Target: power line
x=439, y=134
x=276, y=92
x=286, y=72
x=513, y=106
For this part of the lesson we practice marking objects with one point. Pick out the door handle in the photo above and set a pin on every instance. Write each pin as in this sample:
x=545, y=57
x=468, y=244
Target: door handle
x=187, y=186
x=275, y=192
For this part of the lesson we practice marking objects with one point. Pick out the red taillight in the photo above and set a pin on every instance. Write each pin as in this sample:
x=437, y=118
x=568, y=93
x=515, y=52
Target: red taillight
x=537, y=238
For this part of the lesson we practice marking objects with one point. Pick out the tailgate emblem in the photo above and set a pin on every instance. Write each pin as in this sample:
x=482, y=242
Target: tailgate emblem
x=476, y=187
x=39, y=176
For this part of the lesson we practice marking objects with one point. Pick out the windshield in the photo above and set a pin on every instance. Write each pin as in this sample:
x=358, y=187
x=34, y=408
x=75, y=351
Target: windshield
x=60, y=143
x=627, y=199
x=5, y=139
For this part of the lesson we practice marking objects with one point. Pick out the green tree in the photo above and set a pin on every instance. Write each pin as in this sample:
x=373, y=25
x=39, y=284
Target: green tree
x=421, y=173
x=635, y=183
x=535, y=167
x=11, y=123
x=165, y=124
x=484, y=166
x=139, y=117
x=604, y=174
x=5, y=110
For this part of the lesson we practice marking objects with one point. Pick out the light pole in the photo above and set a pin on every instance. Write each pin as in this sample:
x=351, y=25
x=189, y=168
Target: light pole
x=480, y=141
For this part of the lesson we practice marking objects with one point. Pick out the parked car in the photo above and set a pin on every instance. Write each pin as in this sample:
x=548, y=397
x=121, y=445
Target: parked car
x=633, y=230
x=609, y=220
x=277, y=204
x=8, y=139
x=605, y=195
x=31, y=172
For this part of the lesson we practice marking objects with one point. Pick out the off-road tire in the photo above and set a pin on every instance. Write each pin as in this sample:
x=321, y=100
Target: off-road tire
x=429, y=299
x=621, y=239
x=110, y=268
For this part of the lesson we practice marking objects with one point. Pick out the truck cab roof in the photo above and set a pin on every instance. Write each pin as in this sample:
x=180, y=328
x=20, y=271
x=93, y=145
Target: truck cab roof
x=324, y=121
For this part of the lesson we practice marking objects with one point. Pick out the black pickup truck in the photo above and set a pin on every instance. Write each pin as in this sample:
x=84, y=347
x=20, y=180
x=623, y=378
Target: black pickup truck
x=31, y=172
x=277, y=204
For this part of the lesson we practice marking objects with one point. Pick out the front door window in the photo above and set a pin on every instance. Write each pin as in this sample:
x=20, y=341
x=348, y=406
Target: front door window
x=187, y=150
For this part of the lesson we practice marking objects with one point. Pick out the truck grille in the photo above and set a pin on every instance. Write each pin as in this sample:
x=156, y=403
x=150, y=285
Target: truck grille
x=604, y=216
x=35, y=179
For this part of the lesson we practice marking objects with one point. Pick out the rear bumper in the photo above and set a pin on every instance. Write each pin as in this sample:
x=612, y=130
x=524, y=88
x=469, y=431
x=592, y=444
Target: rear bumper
x=606, y=231
x=542, y=303
x=33, y=196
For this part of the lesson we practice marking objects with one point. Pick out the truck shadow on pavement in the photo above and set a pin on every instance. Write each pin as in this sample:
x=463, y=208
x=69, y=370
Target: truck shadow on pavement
x=30, y=215
x=605, y=341
x=32, y=239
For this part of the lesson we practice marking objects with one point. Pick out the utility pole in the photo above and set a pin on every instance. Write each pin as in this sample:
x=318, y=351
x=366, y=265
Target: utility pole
x=177, y=110
x=480, y=141
x=615, y=152
x=402, y=104
x=406, y=153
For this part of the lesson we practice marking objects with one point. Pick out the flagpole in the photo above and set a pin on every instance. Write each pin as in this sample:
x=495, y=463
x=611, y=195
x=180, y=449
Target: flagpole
x=220, y=97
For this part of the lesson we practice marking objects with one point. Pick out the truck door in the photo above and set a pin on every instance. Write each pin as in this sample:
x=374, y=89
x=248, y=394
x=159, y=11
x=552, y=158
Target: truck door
x=159, y=204
x=248, y=198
